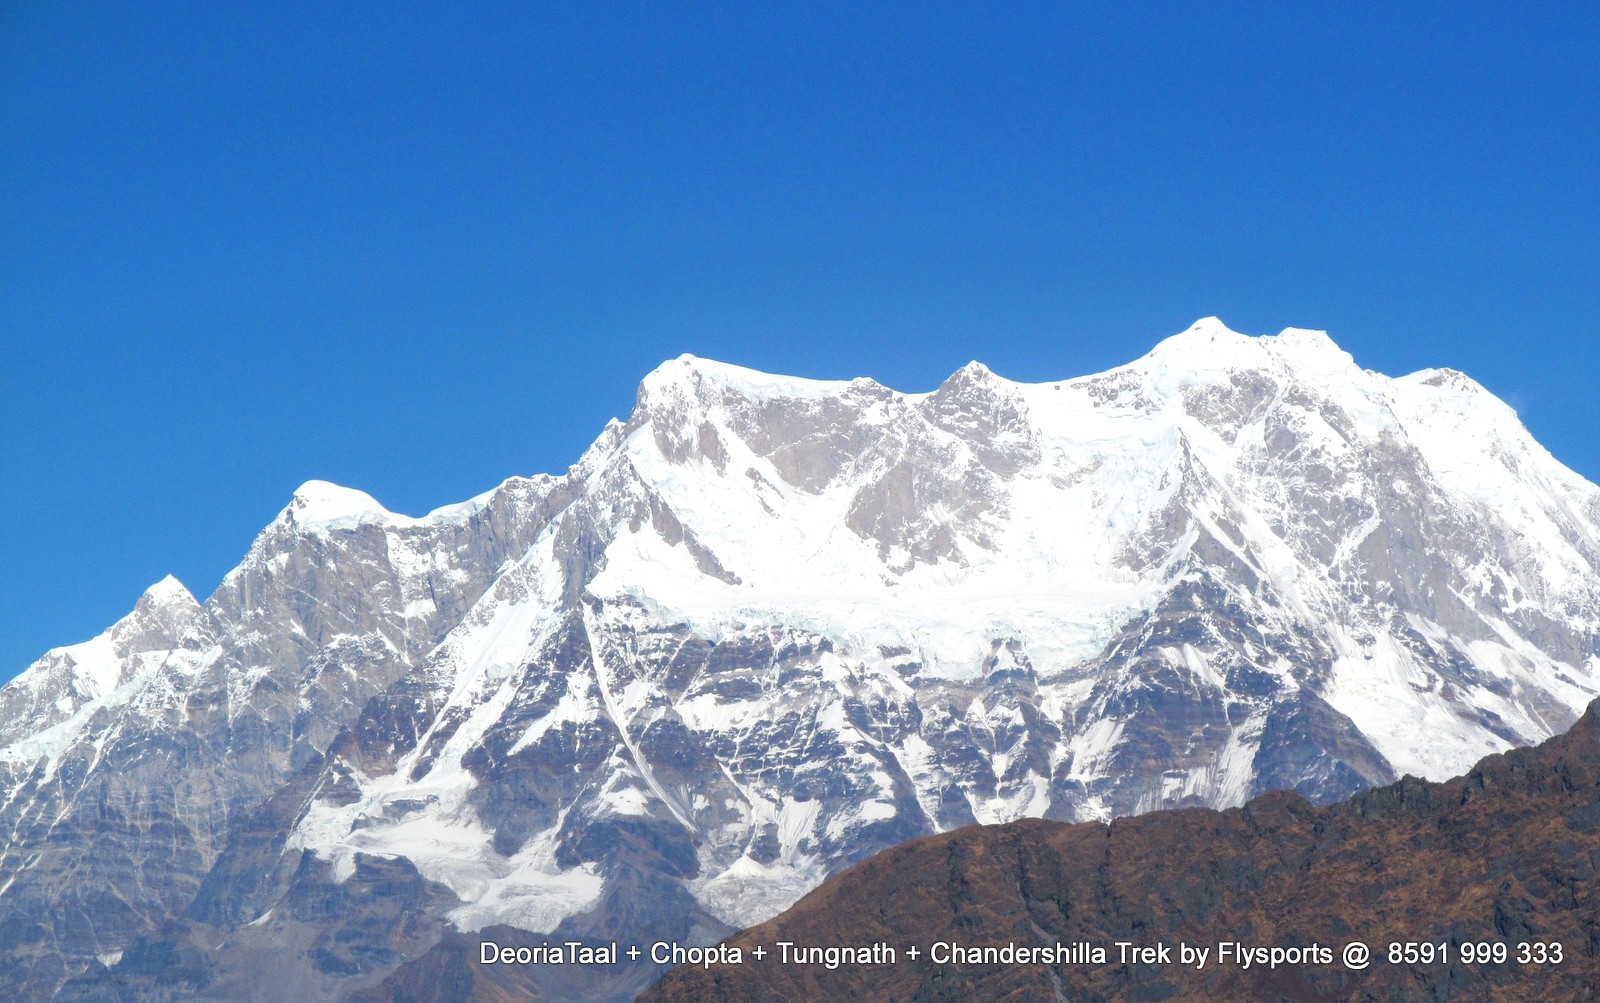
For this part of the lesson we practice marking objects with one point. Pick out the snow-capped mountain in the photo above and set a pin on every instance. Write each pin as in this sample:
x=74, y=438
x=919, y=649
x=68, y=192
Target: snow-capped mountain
x=770, y=626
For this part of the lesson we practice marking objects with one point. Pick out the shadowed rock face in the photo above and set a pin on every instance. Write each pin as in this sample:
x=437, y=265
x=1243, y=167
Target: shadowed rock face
x=1508, y=853
x=767, y=628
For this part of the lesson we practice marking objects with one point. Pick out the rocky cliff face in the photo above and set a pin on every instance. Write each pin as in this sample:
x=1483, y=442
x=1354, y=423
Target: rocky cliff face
x=769, y=627
x=125, y=761
x=1508, y=854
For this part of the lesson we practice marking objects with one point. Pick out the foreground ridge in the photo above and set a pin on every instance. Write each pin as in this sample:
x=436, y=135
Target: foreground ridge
x=1506, y=854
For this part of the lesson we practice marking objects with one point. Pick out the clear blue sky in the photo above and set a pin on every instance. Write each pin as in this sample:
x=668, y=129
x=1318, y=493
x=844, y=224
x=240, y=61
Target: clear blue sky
x=418, y=248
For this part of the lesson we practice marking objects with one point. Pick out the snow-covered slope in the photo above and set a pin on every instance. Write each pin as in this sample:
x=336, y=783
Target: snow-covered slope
x=769, y=626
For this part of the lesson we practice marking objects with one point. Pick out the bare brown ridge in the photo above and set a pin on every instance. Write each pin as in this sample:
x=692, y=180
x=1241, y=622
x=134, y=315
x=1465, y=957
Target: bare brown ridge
x=1507, y=854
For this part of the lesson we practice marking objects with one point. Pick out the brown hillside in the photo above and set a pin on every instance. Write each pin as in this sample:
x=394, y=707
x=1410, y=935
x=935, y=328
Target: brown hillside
x=1507, y=854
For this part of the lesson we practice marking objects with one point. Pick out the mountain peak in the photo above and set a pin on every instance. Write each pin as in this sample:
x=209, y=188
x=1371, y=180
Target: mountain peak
x=973, y=374
x=1451, y=380
x=691, y=375
x=1213, y=326
x=1208, y=343
x=974, y=377
x=167, y=592
x=164, y=611
x=324, y=505
x=1304, y=347
x=1210, y=346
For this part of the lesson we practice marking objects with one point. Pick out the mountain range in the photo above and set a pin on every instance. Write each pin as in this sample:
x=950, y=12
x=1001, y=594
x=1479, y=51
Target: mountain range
x=768, y=627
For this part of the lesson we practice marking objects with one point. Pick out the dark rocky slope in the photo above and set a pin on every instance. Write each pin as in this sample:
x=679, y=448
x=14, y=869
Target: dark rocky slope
x=1508, y=853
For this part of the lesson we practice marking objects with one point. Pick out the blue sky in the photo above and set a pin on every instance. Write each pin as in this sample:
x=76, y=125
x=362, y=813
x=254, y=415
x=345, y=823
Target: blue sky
x=419, y=248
